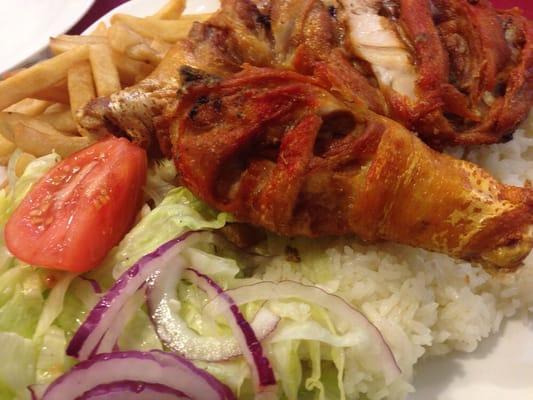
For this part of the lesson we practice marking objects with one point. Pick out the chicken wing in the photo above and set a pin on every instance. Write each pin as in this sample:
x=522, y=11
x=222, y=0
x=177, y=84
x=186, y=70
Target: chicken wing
x=282, y=151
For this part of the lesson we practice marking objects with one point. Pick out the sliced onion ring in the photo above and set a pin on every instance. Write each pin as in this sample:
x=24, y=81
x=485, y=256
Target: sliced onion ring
x=262, y=373
x=153, y=371
x=176, y=335
x=94, y=284
x=109, y=341
x=86, y=340
x=344, y=313
x=126, y=390
x=37, y=391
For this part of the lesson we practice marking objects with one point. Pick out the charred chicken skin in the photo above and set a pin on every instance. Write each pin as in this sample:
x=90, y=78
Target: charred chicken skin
x=455, y=71
x=303, y=145
x=279, y=150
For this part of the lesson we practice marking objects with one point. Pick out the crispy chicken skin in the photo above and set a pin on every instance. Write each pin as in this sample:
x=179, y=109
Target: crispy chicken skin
x=277, y=112
x=455, y=71
x=288, y=34
x=279, y=150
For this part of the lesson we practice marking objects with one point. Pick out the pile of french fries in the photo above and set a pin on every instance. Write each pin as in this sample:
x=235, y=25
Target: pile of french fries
x=39, y=104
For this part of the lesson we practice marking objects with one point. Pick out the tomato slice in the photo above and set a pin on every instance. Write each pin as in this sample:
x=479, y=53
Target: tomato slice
x=83, y=207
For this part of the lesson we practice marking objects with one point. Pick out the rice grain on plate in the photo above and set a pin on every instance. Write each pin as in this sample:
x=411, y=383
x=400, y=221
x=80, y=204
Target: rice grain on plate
x=424, y=303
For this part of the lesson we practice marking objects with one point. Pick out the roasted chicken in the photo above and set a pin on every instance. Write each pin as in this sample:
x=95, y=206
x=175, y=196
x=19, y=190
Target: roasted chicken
x=455, y=71
x=278, y=112
x=279, y=150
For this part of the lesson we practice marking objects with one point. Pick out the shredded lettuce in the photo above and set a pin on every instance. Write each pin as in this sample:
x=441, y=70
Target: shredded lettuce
x=52, y=361
x=53, y=305
x=21, y=312
x=140, y=334
x=33, y=172
x=6, y=392
x=178, y=212
x=309, y=356
x=17, y=369
x=286, y=361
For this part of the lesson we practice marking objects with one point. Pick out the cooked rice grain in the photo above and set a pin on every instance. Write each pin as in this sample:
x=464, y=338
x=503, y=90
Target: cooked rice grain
x=424, y=303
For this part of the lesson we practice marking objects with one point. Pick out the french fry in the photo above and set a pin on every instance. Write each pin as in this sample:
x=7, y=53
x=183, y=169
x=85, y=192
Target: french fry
x=160, y=46
x=120, y=37
x=100, y=30
x=40, y=143
x=80, y=86
x=173, y=9
x=31, y=107
x=57, y=93
x=11, y=73
x=56, y=107
x=37, y=137
x=143, y=52
x=63, y=121
x=167, y=30
x=124, y=40
x=105, y=74
x=39, y=76
x=8, y=121
x=43, y=100
x=64, y=43
x=131, y=71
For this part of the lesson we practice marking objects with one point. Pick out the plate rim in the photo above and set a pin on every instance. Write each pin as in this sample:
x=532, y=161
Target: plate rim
x=515, y=322
x=41, y=43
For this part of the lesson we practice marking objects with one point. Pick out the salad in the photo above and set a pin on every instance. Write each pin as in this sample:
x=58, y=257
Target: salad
x=181, y=294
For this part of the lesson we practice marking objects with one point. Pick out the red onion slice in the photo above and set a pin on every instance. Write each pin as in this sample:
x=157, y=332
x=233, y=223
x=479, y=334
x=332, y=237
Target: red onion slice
x=344, y=313
x=94, y=284
x=89, y=335
x=37, y=391
x=262, y=373
x=109, y=341
x=174, y=332
x=153, y=370
x=130, y=390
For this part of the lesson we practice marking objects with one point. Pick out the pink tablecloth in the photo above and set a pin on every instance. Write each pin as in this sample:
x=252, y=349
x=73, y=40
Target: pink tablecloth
x=101, y=7
x=526, y=5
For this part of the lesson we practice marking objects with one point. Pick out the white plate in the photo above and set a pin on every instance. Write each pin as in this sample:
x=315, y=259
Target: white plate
x=142, y=8
x=26, y=25
x=501, y=368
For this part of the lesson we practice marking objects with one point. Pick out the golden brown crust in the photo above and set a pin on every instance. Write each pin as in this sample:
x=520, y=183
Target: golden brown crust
x=260, y=145
x=475, y=71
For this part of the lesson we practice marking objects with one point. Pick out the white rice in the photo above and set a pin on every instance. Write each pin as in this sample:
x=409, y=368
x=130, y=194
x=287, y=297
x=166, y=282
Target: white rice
x=425, y=303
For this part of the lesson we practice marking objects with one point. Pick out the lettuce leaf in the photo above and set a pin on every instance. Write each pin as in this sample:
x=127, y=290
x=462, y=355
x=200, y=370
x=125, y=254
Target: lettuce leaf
x=21, y=312
x=53, y=305
x=286, y=362
x=33, y=172
x=22, y=296
x=178, y=212
x=52, y=360
x=19, y=356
